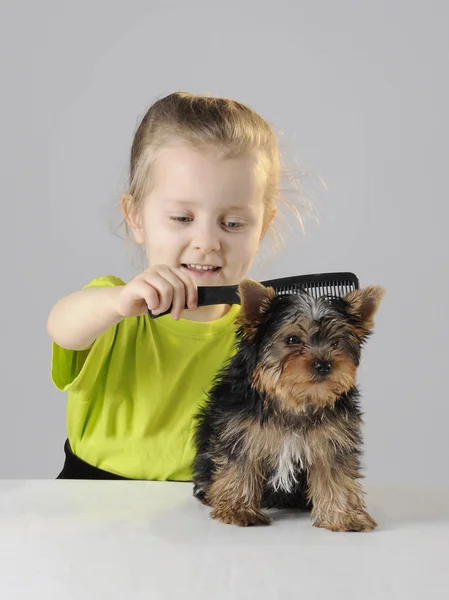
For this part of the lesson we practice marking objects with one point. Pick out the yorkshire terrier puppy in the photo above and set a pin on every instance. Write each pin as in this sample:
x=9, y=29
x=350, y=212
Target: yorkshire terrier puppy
x=282, y=424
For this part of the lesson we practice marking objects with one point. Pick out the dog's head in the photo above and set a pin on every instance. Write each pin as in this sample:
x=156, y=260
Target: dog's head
x=303, y=350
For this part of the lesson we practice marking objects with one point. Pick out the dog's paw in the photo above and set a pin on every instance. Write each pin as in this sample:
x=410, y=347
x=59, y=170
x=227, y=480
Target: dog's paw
x=243, y=517
x=353, y=521
x=200, y=495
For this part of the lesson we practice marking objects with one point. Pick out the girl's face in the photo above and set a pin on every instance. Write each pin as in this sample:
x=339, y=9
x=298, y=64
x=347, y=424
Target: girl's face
x=203, y=211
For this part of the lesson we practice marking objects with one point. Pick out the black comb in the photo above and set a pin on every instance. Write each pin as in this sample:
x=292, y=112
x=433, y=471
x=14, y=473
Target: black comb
x=317, y=285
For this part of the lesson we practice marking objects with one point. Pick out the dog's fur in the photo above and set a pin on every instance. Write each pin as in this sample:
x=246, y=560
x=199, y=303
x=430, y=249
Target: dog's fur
x=282, y=424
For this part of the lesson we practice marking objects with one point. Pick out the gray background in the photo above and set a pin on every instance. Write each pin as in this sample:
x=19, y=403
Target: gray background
x=360, y=92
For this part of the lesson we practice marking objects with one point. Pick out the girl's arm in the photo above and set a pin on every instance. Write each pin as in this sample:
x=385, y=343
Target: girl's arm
x=76, y=320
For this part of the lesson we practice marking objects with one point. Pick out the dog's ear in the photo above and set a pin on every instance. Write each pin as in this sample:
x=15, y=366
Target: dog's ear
x=255, y=299
x=364, y=303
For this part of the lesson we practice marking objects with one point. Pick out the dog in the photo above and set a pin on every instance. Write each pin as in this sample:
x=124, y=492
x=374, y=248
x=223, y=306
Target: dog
x=281, y=427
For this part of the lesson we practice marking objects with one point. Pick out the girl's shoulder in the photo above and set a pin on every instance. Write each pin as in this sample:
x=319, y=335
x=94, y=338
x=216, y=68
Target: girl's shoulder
x=105, y=281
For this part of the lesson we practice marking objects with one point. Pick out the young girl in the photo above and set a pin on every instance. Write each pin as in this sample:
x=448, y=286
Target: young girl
x=204, y=178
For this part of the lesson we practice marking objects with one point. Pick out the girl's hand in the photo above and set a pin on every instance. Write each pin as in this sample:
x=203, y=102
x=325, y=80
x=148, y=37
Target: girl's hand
x=157, y=288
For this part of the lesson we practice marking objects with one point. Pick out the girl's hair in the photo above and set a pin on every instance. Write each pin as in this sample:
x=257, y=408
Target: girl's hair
x=229, y=126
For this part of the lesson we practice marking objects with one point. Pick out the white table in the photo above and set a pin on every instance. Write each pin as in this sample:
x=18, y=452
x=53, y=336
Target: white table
x=152, y=540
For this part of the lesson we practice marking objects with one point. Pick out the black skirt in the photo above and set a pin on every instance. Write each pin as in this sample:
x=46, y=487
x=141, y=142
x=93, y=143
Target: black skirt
x=76, y=468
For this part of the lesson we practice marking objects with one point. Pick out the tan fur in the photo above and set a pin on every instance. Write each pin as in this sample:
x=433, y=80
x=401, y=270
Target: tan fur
x=337, y=496
x=365, y=303
x=262, y=444
x=255, y=299
x=293, y=384
x=235, y=496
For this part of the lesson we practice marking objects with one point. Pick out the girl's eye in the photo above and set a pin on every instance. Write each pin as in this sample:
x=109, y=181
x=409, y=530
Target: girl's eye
x=234, y=225
x=181, y=219
x=293, y=340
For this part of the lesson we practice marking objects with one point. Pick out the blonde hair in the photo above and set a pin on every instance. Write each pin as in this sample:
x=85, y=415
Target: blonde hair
x=203, y=120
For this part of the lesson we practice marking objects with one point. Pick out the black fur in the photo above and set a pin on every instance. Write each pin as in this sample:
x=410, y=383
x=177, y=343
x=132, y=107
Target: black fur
x=233, y=396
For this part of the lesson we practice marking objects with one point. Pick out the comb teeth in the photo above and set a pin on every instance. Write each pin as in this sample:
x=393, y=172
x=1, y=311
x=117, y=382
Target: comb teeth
x=330, y=285
x=318, y=289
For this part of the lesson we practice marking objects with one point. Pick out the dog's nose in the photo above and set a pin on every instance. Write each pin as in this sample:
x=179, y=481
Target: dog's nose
x=322, y=367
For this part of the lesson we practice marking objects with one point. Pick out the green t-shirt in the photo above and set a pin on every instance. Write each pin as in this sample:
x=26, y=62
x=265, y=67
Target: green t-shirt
x=133, y=394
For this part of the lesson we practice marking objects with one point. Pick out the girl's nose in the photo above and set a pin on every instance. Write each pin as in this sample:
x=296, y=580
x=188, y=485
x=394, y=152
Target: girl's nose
x=207, y=242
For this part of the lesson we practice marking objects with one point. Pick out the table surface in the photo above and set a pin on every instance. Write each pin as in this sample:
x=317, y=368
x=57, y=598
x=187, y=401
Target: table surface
x=120, y=539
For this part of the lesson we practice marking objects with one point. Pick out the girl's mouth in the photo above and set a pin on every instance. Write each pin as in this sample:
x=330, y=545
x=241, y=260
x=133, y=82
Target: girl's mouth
x=201, y=271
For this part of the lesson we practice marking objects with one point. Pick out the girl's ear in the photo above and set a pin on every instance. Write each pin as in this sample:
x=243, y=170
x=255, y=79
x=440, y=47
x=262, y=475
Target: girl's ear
x=132, y=216
x=267, y=223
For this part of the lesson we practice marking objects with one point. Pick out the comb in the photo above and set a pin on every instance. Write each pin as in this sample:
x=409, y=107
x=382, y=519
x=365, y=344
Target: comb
x=317, y=285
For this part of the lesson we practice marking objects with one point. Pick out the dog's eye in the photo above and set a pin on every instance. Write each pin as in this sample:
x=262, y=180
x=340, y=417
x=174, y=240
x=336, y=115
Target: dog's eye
x=335, y=344
x=293, y=339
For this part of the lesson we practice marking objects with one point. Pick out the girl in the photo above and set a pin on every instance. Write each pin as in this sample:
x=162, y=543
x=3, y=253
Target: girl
x=204, y=178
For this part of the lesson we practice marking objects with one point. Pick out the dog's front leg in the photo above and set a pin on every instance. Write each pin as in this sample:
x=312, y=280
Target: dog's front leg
x=337, y=496
x=235, y=495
